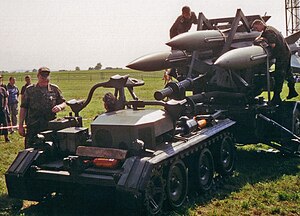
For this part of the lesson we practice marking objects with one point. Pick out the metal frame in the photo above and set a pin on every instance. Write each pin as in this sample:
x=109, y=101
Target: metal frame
x=292, y=16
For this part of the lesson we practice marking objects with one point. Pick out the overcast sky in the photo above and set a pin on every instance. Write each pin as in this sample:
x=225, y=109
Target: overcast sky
x=63, y=34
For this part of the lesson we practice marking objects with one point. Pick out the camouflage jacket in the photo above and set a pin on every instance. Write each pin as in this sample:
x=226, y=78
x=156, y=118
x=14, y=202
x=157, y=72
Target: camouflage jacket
x=39, y=102
x=3, y=96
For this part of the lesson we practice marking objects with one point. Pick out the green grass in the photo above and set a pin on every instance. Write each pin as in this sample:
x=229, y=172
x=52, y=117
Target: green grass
x=263, y=184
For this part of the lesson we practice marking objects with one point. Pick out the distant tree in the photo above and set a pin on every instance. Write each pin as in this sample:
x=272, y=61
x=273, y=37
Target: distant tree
x=77, y=68
x=98, y=66
x=91, y=68
x=34, y=70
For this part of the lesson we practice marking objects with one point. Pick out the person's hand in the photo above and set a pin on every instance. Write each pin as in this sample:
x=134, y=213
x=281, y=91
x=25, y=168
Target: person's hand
x=21, y=130
x=56, y=108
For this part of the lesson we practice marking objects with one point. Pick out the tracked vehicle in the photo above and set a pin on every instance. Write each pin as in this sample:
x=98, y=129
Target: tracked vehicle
x=155, y=152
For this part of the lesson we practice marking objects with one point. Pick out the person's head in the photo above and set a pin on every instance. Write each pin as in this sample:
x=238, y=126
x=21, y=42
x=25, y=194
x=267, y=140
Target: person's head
x=258, y=25
x=110, y=102
x=186, y=12
x=12, y=80
x=43, y=76
x=27, y=79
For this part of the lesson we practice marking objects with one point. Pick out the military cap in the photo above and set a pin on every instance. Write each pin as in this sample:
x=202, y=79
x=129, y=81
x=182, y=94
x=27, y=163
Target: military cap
x=43, y=70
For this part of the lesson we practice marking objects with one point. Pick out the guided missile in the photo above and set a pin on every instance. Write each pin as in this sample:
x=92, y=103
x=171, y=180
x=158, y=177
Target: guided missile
x=210, y=39
x=159, y=61
x=199, y=40
x=242, y=58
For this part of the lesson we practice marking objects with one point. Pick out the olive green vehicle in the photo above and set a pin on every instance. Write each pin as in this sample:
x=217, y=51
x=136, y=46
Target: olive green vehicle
x=154, y=153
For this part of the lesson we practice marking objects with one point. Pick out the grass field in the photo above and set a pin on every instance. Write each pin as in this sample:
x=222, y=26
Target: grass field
x=264, y=183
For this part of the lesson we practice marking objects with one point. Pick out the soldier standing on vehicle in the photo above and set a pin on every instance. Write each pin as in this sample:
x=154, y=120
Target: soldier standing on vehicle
x=281, y=52
x=184, y=22
x=41, y=103
x=13, y=101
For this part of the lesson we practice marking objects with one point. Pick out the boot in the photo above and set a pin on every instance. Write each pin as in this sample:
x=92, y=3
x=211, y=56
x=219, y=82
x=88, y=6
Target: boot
x=292, y=92
x=276, y=100
x=7, y=140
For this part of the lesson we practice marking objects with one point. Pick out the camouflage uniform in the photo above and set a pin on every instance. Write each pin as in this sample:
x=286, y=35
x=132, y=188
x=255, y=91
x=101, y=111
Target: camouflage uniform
x=39, y=101
x=3, y=118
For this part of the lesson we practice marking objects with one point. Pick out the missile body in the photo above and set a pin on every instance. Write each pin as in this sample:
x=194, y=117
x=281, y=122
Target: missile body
x=209, y=39
x=151, y=62
x=199, y=40
x=242, y=58
x=159, y=61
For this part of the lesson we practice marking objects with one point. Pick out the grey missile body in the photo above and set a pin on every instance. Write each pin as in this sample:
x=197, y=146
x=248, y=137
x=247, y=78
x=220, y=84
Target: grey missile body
x=242, y=58
x=151, y=62
x=210, y=39
x=159, y=61
x=199, y=40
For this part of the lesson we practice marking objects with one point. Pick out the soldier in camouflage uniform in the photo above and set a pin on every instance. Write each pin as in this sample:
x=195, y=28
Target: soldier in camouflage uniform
x=41, y=103
x=3, y=117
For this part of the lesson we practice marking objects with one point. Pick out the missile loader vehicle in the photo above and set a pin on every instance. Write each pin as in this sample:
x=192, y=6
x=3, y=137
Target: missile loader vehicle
x=143, y=153
x=155, y=152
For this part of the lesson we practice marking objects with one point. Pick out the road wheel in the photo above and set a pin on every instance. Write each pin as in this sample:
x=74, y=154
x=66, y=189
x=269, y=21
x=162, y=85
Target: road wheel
x=155, y=193
x=205, y=170
x=225, y=157
x=177, y=184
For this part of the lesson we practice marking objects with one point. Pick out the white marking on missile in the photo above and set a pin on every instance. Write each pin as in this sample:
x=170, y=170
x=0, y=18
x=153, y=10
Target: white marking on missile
x=258, y=57
x=213, y=39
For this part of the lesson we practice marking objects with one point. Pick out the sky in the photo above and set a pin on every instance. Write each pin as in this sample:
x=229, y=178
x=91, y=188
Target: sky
x=63, y=34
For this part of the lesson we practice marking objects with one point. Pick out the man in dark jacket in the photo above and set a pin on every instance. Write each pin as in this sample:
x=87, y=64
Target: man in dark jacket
x=281, y=52
x=184, y=22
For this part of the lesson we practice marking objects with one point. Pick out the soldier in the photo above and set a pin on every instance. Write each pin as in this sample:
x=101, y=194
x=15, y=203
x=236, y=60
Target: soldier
x=7, y=114
x=184, y=22
x=27, y=83
x=110, y=102
x=281, y=52
x=3, y=117
x=13, y=101
x=41, y=103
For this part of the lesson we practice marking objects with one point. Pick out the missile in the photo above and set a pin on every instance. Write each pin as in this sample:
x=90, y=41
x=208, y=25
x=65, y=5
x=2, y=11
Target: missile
x=242, y=58
x=151, y=62
x=199, y=40
x=159, y=60
x=210, y=39
x=295, y=63
x=293, y=38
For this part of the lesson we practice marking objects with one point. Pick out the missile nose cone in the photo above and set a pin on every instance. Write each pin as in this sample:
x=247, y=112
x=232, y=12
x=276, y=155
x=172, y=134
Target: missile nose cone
x=151, y=62
x=199, y=40
x=242, y=58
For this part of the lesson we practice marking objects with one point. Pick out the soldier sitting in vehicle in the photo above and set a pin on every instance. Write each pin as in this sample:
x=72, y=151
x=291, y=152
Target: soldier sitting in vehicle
x=110, y=102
